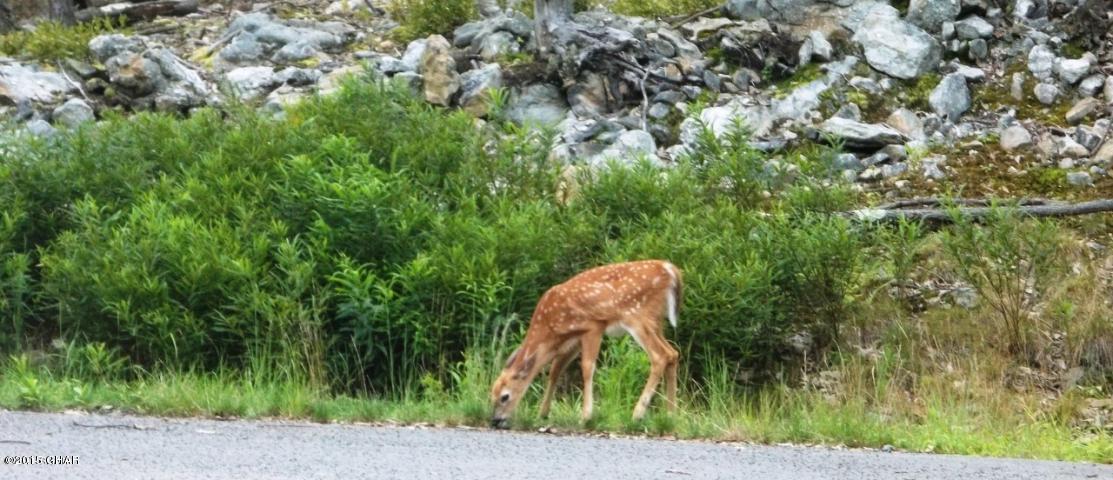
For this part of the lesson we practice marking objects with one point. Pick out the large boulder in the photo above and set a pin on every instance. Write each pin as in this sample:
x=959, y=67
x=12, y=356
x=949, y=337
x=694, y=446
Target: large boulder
x=152, y=75
x=73, y=113
x=931, y=14
x=861, y=135
x=951, y=98
x=23, y=84
x=896, y=47
x=475, y=87
x=539, y=104
x=438, y=67
x=250, y=83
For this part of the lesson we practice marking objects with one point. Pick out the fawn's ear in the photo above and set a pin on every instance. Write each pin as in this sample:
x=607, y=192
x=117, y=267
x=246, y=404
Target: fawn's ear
x=526, y=367
x=512, y=357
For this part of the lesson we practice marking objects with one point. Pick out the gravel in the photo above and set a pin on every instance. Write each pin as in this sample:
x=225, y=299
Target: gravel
x=124, y=447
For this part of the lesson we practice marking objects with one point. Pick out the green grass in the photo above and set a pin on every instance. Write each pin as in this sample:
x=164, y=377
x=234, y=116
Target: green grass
x=52, y=41
x=718, y=412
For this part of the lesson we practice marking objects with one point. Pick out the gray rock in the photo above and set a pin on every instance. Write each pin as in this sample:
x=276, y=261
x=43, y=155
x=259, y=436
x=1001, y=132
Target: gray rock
x=684, y=48
x=411, y=80
x=930, y=15
x=496, y=45
x=539, y=104
x=1015, y=137
x=1082, y=109
x=1055, y=146
x=1107, y=90
x=849, y=111
x=104, y=47
x=411, y=60
x=1088, y=137
x=73, y=113
x=342, y=7
x=1104, y=155
x=588, y=97
x=40, y=128
x=932, y=167
x=1016, y=89
x=298, y=77
x=894, y=169
x=971, y=74
x=908, y=123
x=861, y=135
x=815, y=46
x=660, y=46
x=332, y=81
x=896, y=47
x=1073, y=70
x=973, y=27
x=514, y=22
x=1041, y=62
x=627, y=147
x=773, y=10
x=20, y=84
x=698, y=27
x=475, y=86
x=277, y=34
x=951, y=98
x=438, y=68
x=848, y=161
x=948, y=30
x=1091, y=85
x=978, y=49
x=659, y=111
x=250, y=83
x=1080, y=179
x=294, y=52
x=1047, y=93
x=242, y=49
x=1030, y=9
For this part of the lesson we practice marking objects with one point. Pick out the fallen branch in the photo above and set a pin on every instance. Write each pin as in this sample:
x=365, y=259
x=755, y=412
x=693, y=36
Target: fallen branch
x=113, y=425
x=133, y=12
x=933, y=211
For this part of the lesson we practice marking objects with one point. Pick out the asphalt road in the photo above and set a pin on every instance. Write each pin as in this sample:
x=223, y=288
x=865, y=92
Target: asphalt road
x=126, y=447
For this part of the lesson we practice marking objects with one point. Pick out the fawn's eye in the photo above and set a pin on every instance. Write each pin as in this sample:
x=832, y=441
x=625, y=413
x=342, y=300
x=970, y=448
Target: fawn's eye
x=504, y=398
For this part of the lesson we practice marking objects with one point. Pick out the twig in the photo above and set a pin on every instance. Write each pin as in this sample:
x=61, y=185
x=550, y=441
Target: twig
x=75, y=84
x=694, y=16
x=18, y=442
x=113, y=425
x=206, y=52
x=645, y=102
x=678, y=472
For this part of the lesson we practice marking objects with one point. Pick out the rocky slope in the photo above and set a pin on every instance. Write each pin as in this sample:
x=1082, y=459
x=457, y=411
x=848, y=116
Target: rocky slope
x=998, y=97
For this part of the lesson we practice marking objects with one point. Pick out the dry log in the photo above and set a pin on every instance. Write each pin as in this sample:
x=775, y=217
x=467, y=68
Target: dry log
x=133, y=12
x=933, y=211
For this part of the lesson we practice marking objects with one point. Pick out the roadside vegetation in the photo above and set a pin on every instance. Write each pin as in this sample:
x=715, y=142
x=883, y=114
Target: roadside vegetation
x=370, y=258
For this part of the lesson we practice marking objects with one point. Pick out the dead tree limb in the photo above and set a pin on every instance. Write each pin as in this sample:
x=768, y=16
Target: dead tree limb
x=921, y=210
x=134, y=12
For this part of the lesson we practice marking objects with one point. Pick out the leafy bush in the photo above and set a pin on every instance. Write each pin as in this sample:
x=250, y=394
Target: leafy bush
x=51, y=41
x=367, y=240
x=1008, y=262
x=421, y=18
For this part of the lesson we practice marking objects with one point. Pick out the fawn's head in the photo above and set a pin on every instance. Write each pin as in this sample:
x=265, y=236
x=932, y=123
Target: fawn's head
x=510, y=386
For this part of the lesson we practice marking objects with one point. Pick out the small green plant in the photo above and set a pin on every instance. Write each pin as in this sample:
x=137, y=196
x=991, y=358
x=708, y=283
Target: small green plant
x=31, y=394
x=420, y=18
x=52, y=41
x=1007, y=262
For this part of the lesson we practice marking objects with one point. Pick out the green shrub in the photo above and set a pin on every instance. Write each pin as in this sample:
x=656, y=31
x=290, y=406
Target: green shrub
x=367, y=240
x=1008, y=263
x=52, y=41
x=421, y=18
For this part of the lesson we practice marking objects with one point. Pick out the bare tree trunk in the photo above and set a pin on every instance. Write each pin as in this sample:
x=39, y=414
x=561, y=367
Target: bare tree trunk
x=549, y=15
x=7, y=23
x=62, y=11
x=933, y=212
